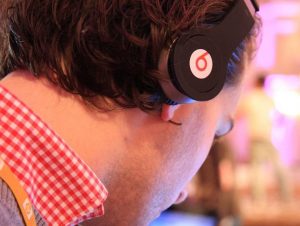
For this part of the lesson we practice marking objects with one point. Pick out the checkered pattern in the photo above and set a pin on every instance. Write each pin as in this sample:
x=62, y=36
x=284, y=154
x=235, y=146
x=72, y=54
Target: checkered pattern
x=60, y=185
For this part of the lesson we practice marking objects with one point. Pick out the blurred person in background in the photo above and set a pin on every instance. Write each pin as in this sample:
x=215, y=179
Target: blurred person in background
x=85, y=112
x=257, y=108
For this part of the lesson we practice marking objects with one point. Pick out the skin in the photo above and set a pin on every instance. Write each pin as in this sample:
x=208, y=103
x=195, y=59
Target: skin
x=144, y=161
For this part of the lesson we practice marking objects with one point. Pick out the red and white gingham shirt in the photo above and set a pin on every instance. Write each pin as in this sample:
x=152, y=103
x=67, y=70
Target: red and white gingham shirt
x=60, y=185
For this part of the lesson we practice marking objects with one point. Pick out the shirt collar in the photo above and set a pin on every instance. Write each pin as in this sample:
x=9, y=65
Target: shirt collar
x=60, y=185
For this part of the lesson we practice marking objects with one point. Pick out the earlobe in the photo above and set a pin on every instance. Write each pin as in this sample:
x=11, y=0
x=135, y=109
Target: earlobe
x=167, y=111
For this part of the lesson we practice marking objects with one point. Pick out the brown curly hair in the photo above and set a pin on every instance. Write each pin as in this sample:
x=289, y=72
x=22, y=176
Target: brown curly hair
x=103, y=48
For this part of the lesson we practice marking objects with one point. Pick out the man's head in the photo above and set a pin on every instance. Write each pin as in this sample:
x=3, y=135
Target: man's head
x=105, y=48
x=114, y=54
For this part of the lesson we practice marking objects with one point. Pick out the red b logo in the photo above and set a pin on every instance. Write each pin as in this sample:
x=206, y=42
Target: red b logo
x=201, y=63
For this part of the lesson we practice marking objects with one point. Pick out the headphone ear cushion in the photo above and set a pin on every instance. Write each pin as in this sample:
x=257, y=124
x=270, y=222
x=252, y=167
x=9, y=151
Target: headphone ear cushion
x=198, y=60
x=196, y=67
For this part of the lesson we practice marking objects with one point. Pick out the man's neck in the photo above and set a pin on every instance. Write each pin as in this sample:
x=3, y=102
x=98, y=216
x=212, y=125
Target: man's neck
x=86, y=130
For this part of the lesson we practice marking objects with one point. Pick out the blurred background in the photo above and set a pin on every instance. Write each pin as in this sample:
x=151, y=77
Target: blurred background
x=252, y=177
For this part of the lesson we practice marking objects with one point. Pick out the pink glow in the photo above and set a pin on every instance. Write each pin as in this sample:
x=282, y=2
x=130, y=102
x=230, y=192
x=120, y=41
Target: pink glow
x=278, y=19
x=285, y=91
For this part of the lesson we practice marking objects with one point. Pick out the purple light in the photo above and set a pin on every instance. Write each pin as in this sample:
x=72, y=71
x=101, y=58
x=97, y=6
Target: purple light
x=285, y=91
x=278, y=19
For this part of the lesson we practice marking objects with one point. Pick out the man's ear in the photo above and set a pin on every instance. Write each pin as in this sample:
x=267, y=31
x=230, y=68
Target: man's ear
x=167, y=111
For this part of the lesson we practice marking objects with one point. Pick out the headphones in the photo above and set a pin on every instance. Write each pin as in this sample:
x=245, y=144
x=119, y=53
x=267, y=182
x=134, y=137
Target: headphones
x=198, y=59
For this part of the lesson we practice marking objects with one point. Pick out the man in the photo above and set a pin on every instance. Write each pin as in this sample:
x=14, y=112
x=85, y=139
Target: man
x=261, y=150
x=96, y=73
